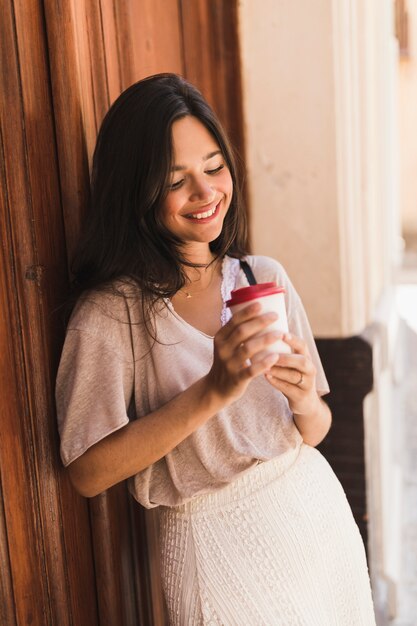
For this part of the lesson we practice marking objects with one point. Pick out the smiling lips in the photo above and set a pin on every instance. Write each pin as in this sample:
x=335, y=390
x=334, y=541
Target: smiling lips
x=204, y=215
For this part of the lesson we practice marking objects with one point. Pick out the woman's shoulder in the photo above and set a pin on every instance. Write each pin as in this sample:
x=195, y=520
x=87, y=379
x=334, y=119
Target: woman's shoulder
x=103, y=309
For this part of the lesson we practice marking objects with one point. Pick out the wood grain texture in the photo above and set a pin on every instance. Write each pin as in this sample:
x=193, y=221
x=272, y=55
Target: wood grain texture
x=211, y=59
x=110, y=33
x=33, y=277
x=115, y=560
x=17, y=454
x=7, y=605
x=66, y=560
x=40, y=326
x=74, y=119
x=147, y=548
x=149, y=39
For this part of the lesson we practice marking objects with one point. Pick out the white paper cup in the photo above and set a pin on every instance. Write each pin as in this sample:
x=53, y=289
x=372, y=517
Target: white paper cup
x=271, y=297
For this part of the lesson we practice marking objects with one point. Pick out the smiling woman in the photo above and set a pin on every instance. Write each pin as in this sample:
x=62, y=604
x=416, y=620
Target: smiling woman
x=161, y=153
x=159, y=385
x=201, y=189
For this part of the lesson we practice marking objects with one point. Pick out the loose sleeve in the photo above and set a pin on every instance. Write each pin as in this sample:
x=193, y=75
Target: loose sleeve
x=94, y=383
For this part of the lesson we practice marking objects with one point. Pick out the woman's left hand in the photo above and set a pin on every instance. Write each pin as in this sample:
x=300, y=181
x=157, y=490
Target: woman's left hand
x=295, y=376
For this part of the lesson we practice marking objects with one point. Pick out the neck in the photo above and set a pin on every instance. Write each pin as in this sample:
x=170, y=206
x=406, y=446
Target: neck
x=200, y=278
x=198, y=254
x=203, y=257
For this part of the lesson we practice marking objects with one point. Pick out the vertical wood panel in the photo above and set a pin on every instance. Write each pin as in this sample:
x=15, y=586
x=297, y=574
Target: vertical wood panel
x=73, y=123
x=66, y=560
x=115, y=577
x=111, y=48
x=149, y=38
x=226, y=66
x=33, y=278
x=43, y=287
x=198, y=46
x=211, y=59
x=92, y=70
x=17, y=454
x=7, y=605
x=98, y=60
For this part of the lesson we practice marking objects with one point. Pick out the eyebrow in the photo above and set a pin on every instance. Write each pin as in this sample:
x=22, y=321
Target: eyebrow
x=208, y=156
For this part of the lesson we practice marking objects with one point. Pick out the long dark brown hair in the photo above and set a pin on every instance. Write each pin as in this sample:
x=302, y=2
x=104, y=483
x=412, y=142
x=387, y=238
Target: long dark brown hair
x=123, y=236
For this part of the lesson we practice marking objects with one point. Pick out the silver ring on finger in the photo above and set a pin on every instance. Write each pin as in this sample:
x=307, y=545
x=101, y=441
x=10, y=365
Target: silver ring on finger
x=300, y=382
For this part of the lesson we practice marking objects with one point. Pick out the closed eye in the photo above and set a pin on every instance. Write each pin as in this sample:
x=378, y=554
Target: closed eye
x=176, y=185
x=217, y=169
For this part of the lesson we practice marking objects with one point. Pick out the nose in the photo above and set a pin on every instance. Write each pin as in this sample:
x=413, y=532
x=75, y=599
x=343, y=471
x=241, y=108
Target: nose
x=201, y=189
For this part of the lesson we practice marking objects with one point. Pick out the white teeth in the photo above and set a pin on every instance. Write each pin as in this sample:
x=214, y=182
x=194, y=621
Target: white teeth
x=200, y=216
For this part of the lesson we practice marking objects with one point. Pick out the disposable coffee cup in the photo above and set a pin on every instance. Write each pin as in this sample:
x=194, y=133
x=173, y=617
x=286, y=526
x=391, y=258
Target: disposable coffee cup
x=271, y=297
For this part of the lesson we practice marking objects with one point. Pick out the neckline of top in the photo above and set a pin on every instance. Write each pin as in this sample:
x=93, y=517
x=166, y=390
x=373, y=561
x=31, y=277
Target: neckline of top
x=229, y=270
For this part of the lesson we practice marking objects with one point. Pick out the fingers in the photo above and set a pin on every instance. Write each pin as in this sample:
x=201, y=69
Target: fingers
x=260, y=367
x=243, y=326
x=290, y=367
x=229, y=378
x=295, y=369
x=297, y=345
x=254, y=346
x=293, y=377
x=247, y=313
x=288, y=389
x=243, y=337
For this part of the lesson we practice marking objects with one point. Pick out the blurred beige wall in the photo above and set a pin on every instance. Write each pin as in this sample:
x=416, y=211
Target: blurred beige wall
x=408, y=126
x=291, y=156
x=319, y=151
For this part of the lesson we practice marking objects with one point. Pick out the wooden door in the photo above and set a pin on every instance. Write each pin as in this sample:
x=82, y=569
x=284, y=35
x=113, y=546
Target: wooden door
x=66, y=560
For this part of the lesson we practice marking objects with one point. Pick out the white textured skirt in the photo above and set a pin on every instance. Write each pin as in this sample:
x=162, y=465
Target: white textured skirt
x=277, y=547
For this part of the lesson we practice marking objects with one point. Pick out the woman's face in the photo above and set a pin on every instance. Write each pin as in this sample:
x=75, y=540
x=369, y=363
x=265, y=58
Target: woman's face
x=201, y=186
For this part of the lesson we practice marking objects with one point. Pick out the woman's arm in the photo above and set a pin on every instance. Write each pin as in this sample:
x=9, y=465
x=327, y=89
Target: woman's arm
x=146, y=440
x=295, y=376
x=143, y=441
x=314, y=426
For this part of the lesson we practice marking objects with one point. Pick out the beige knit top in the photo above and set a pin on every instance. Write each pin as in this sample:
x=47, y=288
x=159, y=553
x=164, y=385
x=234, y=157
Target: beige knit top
x=111, y=372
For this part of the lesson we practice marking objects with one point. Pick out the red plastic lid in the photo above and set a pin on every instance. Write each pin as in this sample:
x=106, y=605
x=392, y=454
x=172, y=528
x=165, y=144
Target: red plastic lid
x=246, y=294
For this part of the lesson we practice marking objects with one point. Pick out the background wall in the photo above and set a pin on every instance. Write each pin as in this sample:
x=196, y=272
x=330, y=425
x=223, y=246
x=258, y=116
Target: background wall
x=291, y=150
x=321, y=151
x=408, y=125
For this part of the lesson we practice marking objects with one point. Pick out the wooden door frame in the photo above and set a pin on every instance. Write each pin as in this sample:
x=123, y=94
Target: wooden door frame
x=66, y=560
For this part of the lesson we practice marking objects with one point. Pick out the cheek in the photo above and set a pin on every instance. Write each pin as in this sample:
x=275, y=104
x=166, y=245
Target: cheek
x=168, y=210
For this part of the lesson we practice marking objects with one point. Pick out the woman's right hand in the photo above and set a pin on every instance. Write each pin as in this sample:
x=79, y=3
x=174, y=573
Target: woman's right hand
x=234, y=345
